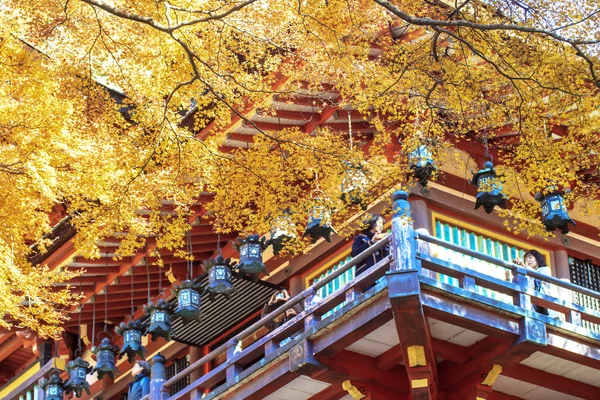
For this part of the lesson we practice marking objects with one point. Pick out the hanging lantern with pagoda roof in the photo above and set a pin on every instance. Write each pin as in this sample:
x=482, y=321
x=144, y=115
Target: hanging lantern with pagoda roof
x=160, y=319
x=251, y=249
x=132, y=332
x=105, y=353
x=53, y=387
x=219, y=276
x=188, y=301
x=319, y=223
x=282, y=232
x=554, y=211
x=77, y=382
x=421, y=162
x=354, y=184
x=489, y=188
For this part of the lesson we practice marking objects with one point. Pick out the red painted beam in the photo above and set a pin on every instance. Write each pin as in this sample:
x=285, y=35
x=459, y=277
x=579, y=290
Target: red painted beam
x=553, y=382
x=413, y=331
x=570, y=349
x=9, y=347
x=333, y=392
x=446, y=350
x=354, y=328
x=264, y=384
x=286, y=114
x=359, y=367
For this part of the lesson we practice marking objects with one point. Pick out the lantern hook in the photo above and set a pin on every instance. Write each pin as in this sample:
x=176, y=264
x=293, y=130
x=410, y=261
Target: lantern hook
x=98, y=337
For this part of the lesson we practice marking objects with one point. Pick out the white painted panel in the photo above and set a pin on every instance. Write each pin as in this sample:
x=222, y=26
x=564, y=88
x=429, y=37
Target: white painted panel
x=467, y=338
x=444, y=331
x=306, y=384
x=289, y=394
x=566, y=368
x=385, y=334
x=368, y=347
x=528, y=391
x=539, y=393
x=301, y=388
x=513, y=386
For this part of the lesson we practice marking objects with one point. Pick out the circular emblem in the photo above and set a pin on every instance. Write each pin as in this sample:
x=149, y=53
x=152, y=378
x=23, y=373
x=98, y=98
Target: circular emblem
x=297, y=355
x=535, y=330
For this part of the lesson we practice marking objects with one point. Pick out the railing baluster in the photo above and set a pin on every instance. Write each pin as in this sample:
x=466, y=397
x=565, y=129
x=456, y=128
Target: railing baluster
x=521, y=298
x=573, y=317
x=468, y=283
x=158, y=376
x=234, y=369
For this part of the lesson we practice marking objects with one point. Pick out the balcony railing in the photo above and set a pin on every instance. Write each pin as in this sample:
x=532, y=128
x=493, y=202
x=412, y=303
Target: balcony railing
x=368, y=288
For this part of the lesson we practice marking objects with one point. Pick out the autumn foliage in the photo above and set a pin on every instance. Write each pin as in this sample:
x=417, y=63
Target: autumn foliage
x=94, y=95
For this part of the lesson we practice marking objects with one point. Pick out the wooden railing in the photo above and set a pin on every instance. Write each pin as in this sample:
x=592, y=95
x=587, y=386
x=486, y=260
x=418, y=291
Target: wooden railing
x=28, y=388
x=239, y=366
x=269, y=344
x=520, y=289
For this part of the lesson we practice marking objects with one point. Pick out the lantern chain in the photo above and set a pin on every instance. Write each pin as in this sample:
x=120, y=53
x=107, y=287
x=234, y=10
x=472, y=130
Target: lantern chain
x=219, y=242
x=79, y=319
x=189, y=261
x=486, y=145
x=106, y=294
x=350, y=127
x=132, y=310
x=147, y=271
x=94, y=316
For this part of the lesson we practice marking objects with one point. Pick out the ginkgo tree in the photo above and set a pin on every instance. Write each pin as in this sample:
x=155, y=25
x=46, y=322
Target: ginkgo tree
x=433, y=71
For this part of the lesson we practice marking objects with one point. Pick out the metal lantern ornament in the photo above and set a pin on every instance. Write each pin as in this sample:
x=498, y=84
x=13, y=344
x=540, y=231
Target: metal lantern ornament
x=354, y=184
x=319, y=224
x=251, y=248
x=282, y=232
x=188, y=301
x=421, y=162
x=132, y=332
x=160, y=320
x=554, y=211
x=219, y=276
x=53, y=387
x=489, y=188
x=105, y=359
x=77, y=383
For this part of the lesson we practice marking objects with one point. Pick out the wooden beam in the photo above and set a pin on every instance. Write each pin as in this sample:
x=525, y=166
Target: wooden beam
x=360, y=324
x=264, y=384
x=491, y=351
x=446, y=350
x=10, y=346
x=348, y=365
x=553, y=382
x=332, y=392
x=571, y=349
x=413, y=331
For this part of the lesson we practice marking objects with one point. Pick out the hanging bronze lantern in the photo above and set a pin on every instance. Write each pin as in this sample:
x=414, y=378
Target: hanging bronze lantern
x=77, y=383
x=282, y=232
x=554, y=211
x=489, y=188
x=219, y=276
x=132, y=332
x=105, y=359
x=160, y=320
x=421, y=162
x=188, y=301
x=251, y=248
x=319, y=224
x=53, y=387
x=354, y=184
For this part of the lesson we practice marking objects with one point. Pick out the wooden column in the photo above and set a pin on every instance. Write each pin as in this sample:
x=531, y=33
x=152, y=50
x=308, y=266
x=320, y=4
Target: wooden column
x=404, y=291
x=420, y=214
